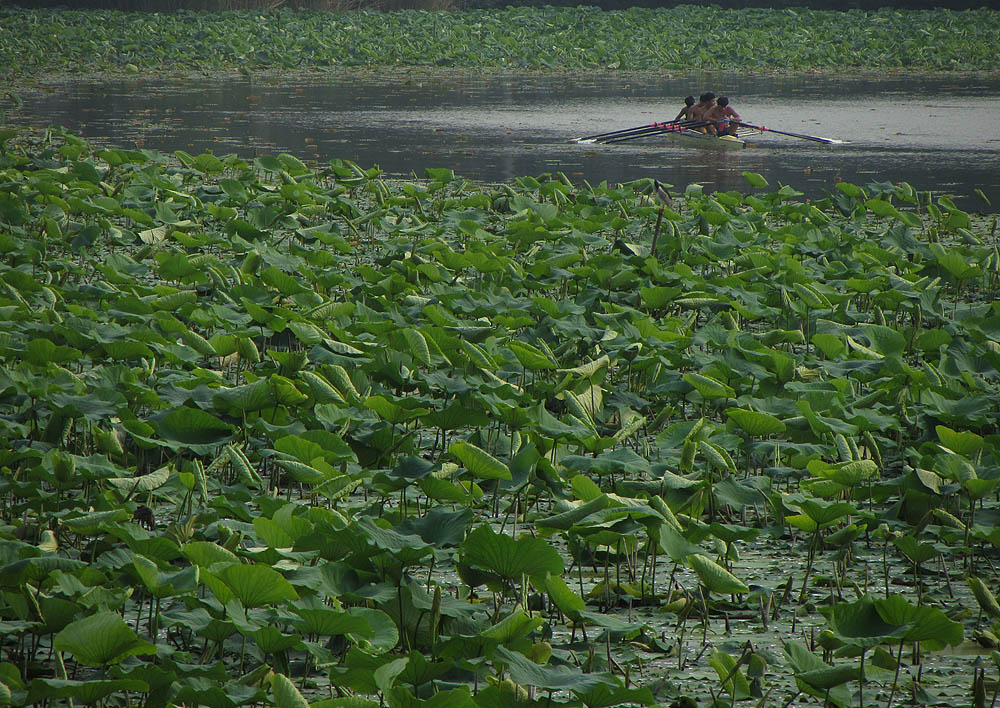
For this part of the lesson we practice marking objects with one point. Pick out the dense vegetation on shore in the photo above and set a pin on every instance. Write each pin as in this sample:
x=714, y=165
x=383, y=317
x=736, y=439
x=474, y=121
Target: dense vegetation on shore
x=33, y=42
x=269, y=429
x=384, y=5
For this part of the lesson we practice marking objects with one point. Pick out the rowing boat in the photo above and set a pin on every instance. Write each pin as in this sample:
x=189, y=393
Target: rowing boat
x=693, y=138
x=686, y=133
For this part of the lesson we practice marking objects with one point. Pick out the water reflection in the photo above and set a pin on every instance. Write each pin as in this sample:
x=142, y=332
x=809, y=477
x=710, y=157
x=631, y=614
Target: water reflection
x=928, y=131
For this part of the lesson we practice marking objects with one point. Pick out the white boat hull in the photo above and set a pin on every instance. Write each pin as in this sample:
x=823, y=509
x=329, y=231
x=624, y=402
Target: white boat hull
x=693, y=138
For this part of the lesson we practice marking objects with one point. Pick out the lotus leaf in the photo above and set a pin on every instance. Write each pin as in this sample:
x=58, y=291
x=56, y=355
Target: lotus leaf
x=510, y=558
x=87, y=692
x=553, y=678
x=256, y=585
x=101, y=639
x=714, y=577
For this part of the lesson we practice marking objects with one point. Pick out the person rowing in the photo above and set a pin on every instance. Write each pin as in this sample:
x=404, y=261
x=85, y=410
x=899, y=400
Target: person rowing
x=686, y=111
x=723, y=118
x=699, y=111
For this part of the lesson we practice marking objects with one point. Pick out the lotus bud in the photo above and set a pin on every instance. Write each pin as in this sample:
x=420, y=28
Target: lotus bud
x=63, y=466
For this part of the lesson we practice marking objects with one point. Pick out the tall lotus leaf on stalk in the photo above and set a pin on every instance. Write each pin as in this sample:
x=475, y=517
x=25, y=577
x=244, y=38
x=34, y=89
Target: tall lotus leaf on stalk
x=253, y=585
x=728, y=669
x=532, y=358
x=810, y=300
x=161, y=585
x=708, y=387
x=286, y=695
x=842, y=477
x=621, y=461
x=191, y=428
x=919, y=623
x=956, y=264
x=984, y=596
x=917, y=553
x=479, y=462
x=101, y=639
x=963, y=442
x=886, y=341
x=819, y=679
x=714, y=577
x=868, y=622
x=860, y=627
x=501, y=561
x=814, y=516
x=549, y=677
x=455, y=416
x=616, y=530
x=43, y=690
x=755, y=424
x=395, y=412
x=400, y=550
x=515, y=628
x=959, y=469
x=141, y=484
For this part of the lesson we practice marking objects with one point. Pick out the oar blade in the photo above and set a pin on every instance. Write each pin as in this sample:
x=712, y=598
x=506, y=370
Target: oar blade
x=813, y=138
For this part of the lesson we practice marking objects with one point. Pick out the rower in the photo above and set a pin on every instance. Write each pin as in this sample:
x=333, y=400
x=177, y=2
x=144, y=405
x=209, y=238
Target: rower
x=686, y=111
x=723, y=117
x=699, y=111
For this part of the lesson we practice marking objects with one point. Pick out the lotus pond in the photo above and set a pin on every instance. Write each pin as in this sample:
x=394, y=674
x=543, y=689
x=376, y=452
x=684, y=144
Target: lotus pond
x=277, y=433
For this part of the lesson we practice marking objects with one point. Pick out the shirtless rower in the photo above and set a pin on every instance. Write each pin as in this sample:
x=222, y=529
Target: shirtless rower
x=723, y=117
x=686, y=111
x=699, y=111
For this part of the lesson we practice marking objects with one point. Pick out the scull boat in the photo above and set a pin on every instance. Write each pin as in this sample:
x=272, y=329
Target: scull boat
x=686, y=133
x=693, y=138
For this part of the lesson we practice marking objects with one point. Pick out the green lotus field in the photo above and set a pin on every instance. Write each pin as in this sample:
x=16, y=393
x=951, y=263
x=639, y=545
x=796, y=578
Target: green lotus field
x=279, y=434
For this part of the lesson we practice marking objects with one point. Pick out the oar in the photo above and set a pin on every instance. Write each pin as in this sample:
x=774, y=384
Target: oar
x=677, y=128
x=814, y=138
x=656, y=130
x=623, y=131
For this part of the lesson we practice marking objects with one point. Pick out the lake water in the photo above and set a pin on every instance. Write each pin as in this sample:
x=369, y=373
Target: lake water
x=933, y=132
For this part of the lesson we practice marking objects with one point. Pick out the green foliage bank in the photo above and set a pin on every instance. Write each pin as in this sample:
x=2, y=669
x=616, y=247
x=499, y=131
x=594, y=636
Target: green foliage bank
x=684, y=38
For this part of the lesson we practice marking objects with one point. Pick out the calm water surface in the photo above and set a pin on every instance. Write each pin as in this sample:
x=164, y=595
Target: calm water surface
x=937, y=133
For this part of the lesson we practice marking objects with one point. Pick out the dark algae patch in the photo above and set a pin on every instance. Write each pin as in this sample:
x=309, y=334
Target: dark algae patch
x=276, y=432
x=543, y=38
